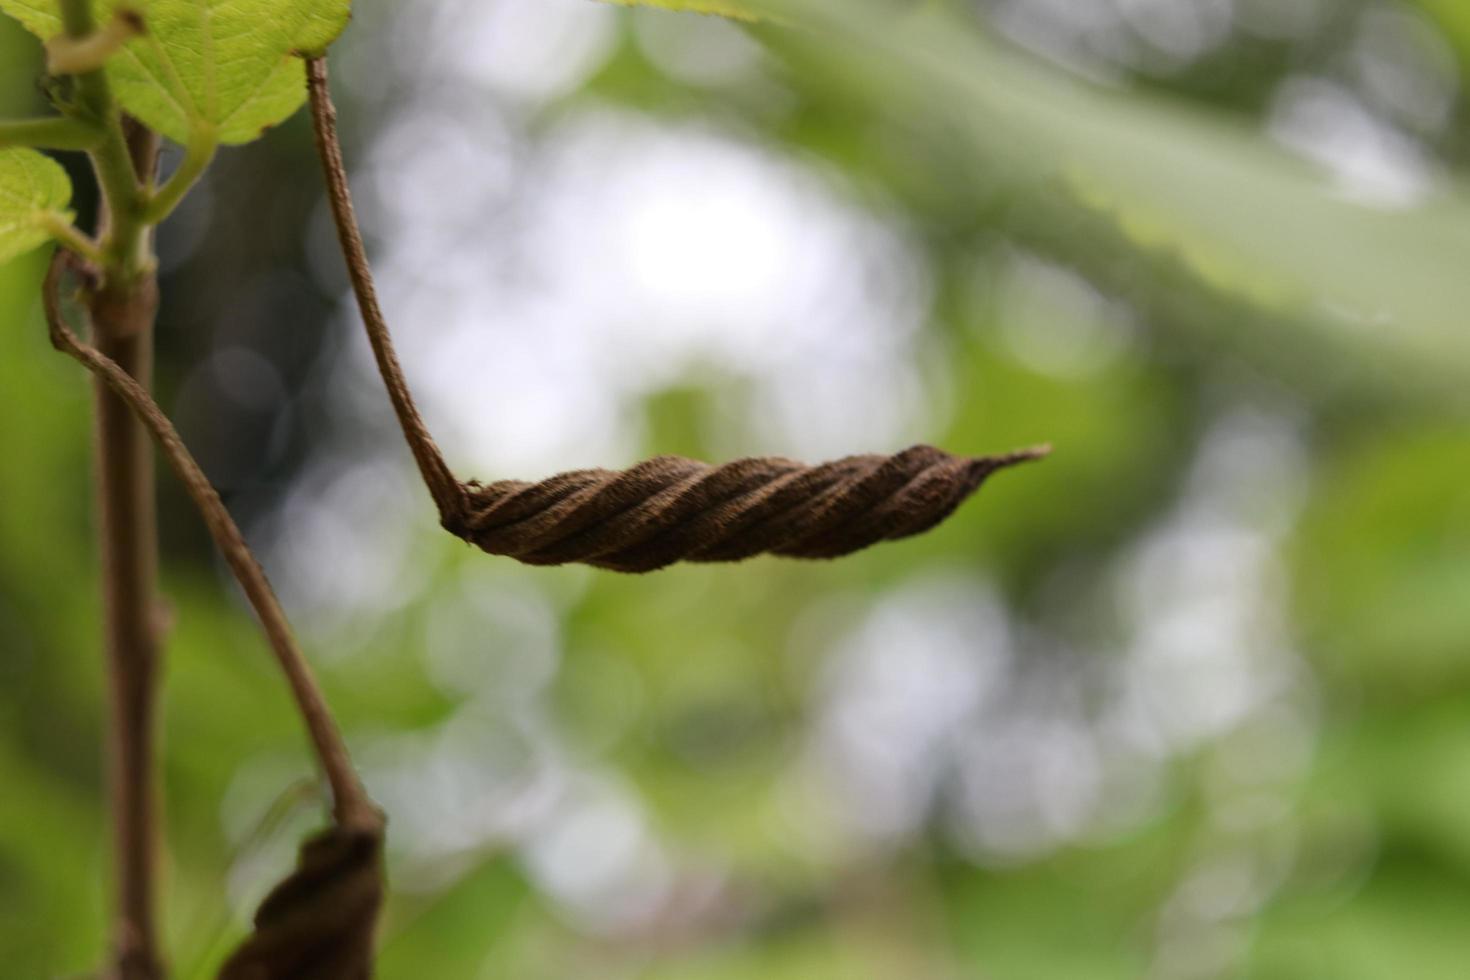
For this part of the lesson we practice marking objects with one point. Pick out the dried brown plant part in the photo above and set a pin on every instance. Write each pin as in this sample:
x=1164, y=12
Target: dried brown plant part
x=671, y=509
x=321, y=921
x=667, y=509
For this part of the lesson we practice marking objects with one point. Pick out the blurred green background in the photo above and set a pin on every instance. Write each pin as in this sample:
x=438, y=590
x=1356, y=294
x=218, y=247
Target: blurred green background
x=1189, y=700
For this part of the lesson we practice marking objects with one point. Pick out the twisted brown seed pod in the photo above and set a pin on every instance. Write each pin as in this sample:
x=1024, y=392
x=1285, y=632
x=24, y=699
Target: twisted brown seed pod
x=667, y=509
x=671, y=509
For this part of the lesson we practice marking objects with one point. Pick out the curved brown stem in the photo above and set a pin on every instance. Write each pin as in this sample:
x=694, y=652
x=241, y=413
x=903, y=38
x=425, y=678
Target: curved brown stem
x=446, y=490
x=351, y=805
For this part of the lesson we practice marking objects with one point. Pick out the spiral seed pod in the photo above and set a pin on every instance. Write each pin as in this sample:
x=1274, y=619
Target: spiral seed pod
x=672, y=509
x=667, y=509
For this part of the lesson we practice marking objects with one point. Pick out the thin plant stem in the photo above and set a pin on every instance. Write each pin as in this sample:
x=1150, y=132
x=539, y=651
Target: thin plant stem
x=72, y=55
x=51, y=133
x=197, y=157
x=125, y=243
x=122, y=312
x=128, y=536
x=70, y=235
x=123, y=316
x=446, y=490
x=351, y=806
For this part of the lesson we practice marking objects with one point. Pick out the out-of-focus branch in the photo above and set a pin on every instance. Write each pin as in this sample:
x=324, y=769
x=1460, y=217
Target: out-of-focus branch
x=351, y=805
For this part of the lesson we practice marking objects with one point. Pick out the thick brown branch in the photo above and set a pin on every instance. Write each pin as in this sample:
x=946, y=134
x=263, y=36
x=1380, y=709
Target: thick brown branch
x=123, y=315
x=666, y=509
x=352, y=808
x=128, y=553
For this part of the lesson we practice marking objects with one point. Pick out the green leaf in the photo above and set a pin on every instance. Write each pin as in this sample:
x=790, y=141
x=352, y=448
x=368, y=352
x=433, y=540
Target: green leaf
x=1383, y=284
x=1453, y=18
x=226, y=68
x=1380, y=570
x=738, y=9
x=32, y=186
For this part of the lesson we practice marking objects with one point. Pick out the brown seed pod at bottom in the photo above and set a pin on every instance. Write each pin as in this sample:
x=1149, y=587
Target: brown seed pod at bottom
x=322, y=920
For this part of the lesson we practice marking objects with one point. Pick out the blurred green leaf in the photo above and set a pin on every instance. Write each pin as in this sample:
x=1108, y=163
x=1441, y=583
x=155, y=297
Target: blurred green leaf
x=31, y=186
x=1452, y=17
x=1247, y=218
x=232, y=68
x=460, y=932
x=724, y=8
x=50, y=884
x=1412, y=764
x=1082, y=913
x=1407, y=921
x=1380, y=566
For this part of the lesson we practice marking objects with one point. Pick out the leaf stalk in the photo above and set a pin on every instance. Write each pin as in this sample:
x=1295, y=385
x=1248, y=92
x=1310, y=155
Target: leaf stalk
x=197, y=157
x=69, y=235
x=52, y=133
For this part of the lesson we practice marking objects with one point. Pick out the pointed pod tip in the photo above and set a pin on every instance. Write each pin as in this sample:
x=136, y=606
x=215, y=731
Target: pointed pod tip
x=1027, y=455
